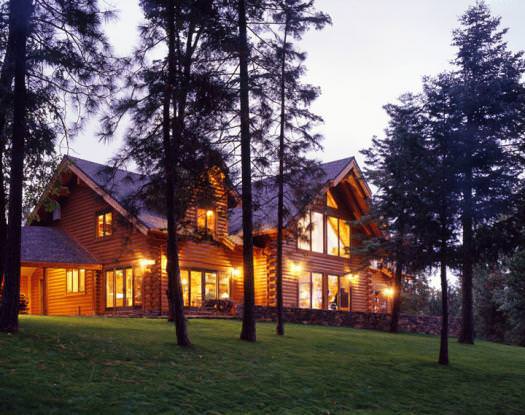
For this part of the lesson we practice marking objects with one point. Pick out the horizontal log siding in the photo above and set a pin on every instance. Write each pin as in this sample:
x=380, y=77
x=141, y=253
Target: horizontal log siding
x=314, y=262
x=60, y=303
x=206, y=256
x=78, y=220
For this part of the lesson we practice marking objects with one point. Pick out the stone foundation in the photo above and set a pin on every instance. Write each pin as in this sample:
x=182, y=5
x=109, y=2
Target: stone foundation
x=360, y=320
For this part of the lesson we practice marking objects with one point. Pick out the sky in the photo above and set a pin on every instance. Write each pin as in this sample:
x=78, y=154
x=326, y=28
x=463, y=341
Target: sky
x=375, y=51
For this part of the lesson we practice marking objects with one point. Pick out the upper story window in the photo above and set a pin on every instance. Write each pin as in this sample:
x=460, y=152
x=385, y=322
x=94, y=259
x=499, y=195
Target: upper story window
x=206, y=220
x=337, y=237
x=104, y=224
x=317, y=230
x=312, y=232
x=330, y=201
x=75, y=281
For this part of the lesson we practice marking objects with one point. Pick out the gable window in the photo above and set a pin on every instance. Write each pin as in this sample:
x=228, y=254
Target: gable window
x=123, y=288
x=206, y=220
x=104, y=224
x=337, y=237
x=311, y=227
x=76, y=281
x=330, y=201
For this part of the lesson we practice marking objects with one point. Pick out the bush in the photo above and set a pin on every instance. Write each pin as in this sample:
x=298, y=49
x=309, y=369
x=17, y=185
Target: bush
x=223, y=306
x=23, y=304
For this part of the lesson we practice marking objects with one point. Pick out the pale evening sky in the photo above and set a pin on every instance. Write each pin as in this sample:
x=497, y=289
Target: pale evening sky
x=375, y=51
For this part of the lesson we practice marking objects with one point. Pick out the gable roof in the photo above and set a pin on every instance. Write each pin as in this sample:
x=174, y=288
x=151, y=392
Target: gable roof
x=265, y=195
x=47, y=244
x=120, y=185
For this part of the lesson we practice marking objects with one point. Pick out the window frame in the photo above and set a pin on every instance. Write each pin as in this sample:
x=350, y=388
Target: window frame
x=203, y=272
x=105, y=234
x=79, y=272
x=114, y=270
x=206, y=229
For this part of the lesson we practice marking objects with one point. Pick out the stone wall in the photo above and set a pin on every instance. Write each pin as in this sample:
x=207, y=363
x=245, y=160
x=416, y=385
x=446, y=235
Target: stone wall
x=360, y=320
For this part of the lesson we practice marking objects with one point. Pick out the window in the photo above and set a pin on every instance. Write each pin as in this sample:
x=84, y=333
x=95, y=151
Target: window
x=330, y=201
x=75, y=281
x=337, y=237
x=311, y=232
x=317, y=232
x=317, y=290
x=124, y=287
x=303, y=241
x=310, y=290
x=305, y=291
x=203, y=286
x=206, y=220
x=104, y=224
x=333, y=290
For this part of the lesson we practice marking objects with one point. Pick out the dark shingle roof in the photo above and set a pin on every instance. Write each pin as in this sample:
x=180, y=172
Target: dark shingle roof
x=122, y=185
x=48, y=244
x=265, y=198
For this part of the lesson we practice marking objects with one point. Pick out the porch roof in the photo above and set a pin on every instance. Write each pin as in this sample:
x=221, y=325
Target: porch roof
x=48, y=245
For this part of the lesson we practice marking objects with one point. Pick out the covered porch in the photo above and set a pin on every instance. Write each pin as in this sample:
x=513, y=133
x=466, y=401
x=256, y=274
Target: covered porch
x=57, y=277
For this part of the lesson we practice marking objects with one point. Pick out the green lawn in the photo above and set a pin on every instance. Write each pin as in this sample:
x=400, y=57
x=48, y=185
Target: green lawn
x=95, y=366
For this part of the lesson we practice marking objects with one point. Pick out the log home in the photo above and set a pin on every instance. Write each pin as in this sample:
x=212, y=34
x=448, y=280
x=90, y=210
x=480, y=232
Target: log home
x=84, y=252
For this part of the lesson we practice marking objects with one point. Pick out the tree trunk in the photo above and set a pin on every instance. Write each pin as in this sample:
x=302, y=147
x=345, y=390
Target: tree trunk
x=6, y=80
x=248, y=320
x=280, y=198
x=20, y=15
x=467, y=328
x=396, y=305
x=175, y=299
x=443, y=345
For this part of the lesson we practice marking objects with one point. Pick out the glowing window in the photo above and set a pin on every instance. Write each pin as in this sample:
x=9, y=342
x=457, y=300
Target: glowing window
x=330, y=201
x=332, y=238
x=104, y=224
x=206, y=220
x=303, y=241
x=317, y=232
x=224, y=286
x=305, y=290
x=75, y=281
x=317, y=290
x=196, y=288
x=332, y=294
x=124, y=287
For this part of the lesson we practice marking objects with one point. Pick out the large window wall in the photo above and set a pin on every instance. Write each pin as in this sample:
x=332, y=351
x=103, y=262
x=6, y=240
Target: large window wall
x=199, y=286
x=317, y=230
x=324, y=291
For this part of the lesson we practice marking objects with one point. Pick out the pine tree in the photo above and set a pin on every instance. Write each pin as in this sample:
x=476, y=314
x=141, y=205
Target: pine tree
x=284, y=93
x=60, y=57
x=176, y=103
x=489, y=96
x=394, y=165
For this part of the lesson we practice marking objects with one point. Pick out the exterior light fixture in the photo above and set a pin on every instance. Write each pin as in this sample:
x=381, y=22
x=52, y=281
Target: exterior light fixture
x=388, y=292
x=144, y=263
x=296, y=268
x=236, y=272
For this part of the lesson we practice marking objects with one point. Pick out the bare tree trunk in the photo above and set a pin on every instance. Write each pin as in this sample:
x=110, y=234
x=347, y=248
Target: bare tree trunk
x=443, y=346
x=176, y=303
x=396, y=305
x=280, y=199
x=248, y=332
x=467, y=329
x=20, y=15
x=6, y=80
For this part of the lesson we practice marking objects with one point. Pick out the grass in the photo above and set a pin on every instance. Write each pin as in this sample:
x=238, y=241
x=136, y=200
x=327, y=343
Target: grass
x=95, y=365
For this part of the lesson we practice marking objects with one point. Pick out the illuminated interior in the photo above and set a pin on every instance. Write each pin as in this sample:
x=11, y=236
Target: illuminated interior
x=75, y=281
x=204, y=285
x=124, y=287
x=104, y=225
x=206, y=220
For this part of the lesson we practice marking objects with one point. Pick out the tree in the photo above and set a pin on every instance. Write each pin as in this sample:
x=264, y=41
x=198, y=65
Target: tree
x=489, y=97
x=176, y=103
x=514, y=298
x=394, y=166
x=20, y=15
x=248, y=331
x=439, y=215
x=283, y=69
x=60, y=57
